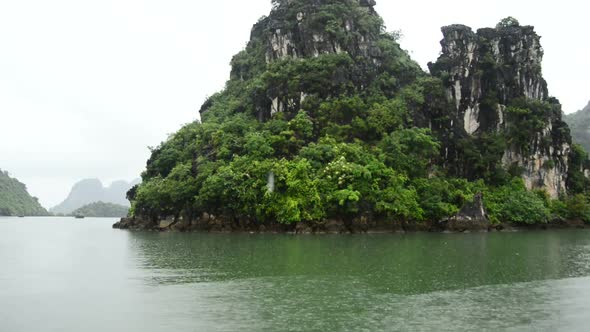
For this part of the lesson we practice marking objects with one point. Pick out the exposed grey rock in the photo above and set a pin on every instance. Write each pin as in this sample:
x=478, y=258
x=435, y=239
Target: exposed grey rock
x=501, y=65
x=472, y=217
x=295, y=30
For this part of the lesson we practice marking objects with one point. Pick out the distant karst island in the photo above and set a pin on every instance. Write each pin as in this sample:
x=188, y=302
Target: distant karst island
x=102, y=210
x=15, y=200
x=92, y=191
x=579, y=124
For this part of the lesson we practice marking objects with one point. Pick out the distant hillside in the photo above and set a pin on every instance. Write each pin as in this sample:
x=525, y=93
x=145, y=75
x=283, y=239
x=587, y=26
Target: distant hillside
x=15, y=200
x=102, y=210
x=579, y=123
x=92, y=190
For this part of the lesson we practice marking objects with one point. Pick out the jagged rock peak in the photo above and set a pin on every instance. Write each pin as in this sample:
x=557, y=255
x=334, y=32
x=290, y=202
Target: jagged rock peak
x=485, y=71
x=308, y=28
x=504, y=61
x=491, y=74
x=349, y=30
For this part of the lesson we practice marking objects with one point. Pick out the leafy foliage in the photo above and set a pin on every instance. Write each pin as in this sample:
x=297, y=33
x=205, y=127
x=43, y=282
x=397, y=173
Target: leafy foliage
x=15, y=200
x=513, y=203
x=102, y=210
x=578, y=183
x=507, y=23
x=579, y=124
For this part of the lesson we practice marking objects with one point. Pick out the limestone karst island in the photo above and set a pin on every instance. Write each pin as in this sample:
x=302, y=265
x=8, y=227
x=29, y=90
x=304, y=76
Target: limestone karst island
x=334, y=165
x=328, y=125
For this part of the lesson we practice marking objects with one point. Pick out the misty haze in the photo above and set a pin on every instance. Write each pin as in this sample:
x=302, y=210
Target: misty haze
x=294, y=165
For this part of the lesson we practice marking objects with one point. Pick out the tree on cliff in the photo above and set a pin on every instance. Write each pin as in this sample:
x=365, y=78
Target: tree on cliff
x=508, y=22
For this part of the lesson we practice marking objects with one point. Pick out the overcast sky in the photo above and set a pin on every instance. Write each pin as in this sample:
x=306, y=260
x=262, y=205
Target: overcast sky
x=86, y=86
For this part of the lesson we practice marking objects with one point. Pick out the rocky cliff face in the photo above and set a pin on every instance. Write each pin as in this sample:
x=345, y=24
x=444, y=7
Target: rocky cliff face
x=503, y=64
x=308, y=36
x=307, y=29
x=494, y=80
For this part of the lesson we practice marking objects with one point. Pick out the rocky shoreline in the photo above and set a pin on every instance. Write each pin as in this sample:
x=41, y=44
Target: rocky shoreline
x=360, y=226
x=472, y=218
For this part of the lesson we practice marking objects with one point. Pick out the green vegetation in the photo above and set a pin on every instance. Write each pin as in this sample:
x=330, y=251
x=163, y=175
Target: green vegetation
x=507, y=23
x=15, y=200
x=350, y=140
x=513, y=203
x=102, y=210
x=579, y=123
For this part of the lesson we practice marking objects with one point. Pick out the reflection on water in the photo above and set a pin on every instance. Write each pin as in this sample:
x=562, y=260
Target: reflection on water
x=63, y=275
x=401, y=264
x=387, y=282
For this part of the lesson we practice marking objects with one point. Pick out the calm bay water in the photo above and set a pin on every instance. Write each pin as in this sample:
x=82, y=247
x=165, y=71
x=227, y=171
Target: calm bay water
x=62, y=274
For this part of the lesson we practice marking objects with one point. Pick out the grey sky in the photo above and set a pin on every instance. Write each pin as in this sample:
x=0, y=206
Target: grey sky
x=86, y=86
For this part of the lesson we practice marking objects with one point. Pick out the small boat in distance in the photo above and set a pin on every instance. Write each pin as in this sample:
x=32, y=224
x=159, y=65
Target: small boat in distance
x=21, y=215
x=79, y=216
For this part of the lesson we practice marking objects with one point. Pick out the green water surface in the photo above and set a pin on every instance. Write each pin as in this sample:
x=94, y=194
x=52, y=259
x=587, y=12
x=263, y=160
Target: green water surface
x=62, y=274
